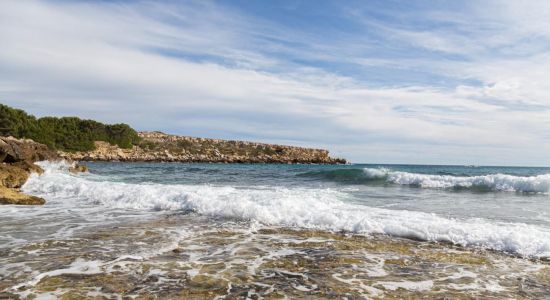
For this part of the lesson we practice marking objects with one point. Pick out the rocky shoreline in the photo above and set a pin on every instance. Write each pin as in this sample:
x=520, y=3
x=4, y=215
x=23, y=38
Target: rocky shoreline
x=17, y=157
x=160, y=147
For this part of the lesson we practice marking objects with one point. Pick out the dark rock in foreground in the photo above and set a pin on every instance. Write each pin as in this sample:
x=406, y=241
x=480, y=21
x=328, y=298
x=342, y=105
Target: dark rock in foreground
x=157, y=146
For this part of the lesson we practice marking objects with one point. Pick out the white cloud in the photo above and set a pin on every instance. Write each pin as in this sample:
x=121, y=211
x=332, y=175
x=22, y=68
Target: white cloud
x=102, y=61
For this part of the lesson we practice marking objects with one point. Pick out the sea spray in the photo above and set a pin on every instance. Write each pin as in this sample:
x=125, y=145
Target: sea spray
x=301, y=207
x=493, y=182
x=480, y=183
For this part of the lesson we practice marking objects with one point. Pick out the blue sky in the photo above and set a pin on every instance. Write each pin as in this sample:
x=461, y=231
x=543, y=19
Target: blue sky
x=440, y=82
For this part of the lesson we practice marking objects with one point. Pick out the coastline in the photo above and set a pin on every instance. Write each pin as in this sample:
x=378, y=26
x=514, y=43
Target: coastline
x=78, y=139
x=17, y=163
x=149, y=235
x=19, y=155
x=222, y=251
x=161, y=147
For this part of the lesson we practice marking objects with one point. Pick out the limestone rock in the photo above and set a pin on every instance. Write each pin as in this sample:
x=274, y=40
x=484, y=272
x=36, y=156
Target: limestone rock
x=17, y=157
x=76, y=168
x=15, y=150
x=28, y=166
x=12, y=176
x=157, y=146
x=13, y=196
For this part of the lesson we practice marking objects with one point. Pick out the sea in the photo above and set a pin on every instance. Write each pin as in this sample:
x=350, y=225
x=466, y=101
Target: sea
x=269, y=231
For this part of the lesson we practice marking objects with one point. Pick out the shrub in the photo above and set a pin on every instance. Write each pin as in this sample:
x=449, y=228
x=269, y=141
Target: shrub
x=66, y=133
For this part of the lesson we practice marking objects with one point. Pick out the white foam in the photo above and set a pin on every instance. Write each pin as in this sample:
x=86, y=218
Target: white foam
x=300, y=207
x=376, y=173
x=408, y=285
x=79, y=266
x=60, y=166
x=495, y=182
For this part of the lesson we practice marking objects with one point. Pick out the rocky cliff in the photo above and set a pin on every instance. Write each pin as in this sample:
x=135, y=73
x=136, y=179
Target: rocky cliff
x=17, y=157
x=157, y=146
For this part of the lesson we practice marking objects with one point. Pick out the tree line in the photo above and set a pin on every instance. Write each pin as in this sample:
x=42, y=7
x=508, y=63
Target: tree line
x=65, y=133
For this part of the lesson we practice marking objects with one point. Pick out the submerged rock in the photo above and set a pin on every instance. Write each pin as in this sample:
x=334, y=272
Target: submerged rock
x=217, y=259
x=76, y=168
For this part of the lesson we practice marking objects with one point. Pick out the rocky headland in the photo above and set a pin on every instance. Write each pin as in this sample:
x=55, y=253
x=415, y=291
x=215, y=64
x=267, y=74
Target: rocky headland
x=160, y=147
x=17, y=157
x=89, y=140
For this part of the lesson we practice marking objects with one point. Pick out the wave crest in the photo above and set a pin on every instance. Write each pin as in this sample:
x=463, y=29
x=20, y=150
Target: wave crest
x=491, y=182
x=352, y=176
x=301, y=207
x=481, y=183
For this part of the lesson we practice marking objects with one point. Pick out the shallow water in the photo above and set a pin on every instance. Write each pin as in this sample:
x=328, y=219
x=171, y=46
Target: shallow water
x=197, y=257
x=276, y=231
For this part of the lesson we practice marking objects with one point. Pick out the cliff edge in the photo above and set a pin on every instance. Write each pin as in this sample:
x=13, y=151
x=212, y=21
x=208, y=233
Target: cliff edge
x=157, y=146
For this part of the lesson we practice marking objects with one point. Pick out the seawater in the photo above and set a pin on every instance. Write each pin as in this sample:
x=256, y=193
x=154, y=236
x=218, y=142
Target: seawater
x=155, y=208
x=500, y=208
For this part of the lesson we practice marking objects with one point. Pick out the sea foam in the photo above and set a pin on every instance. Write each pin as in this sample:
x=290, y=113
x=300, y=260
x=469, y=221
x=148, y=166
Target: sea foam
x=298, y=207
x=492, y=182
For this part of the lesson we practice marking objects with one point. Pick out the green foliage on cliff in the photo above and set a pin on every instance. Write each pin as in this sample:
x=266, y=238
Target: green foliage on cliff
x=66, y=133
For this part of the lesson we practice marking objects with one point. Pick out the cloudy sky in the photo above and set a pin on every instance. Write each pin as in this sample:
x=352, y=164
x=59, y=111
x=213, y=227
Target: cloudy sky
x=440, y=82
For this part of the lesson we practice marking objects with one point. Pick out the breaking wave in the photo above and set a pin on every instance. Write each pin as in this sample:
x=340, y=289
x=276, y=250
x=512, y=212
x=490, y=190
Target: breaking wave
x=481, y=183
x=299, y=207
x=353, y=176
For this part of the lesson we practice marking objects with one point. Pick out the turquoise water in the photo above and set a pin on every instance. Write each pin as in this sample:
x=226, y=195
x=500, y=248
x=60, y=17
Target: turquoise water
x=259, y=174
x=521, y=195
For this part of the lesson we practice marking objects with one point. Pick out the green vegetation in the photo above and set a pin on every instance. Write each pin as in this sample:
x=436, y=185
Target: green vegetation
x=66, y=133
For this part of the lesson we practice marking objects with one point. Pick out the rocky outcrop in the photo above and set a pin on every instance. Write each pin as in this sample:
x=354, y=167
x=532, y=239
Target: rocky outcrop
x=16, y=150
x=12, y=176
x=157, y=146
x=13, y=196
x=17, y=157
x=75, y=168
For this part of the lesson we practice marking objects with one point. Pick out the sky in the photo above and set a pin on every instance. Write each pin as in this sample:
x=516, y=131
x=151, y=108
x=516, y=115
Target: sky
x=417, y=82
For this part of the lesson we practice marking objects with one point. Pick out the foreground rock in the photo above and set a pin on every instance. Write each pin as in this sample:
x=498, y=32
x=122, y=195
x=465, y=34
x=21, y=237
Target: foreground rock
x=17, y=157
x=12, y=176
x=157, y=146
x=14, y=196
